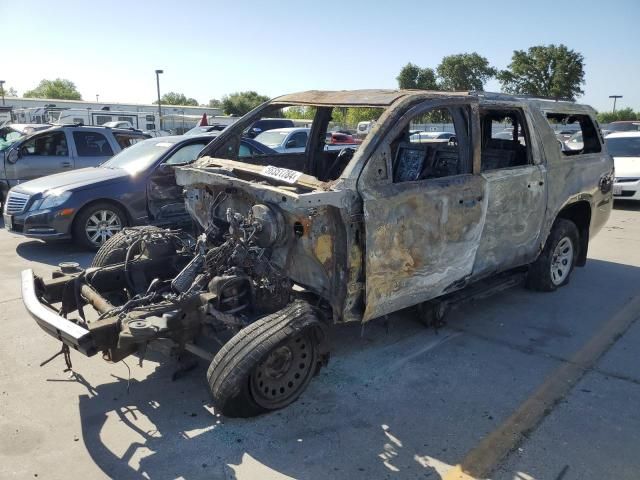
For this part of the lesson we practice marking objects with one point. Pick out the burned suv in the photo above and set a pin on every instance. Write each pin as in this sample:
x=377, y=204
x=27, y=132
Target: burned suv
x=291, y=242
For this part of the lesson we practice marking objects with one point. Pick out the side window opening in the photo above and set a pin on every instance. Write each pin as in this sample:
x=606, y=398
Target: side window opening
x=186, y=154
x=50, y=145
x=504, y=139
x=585, y=139
x=92, y=144
x=430, y=147
x=316, y=140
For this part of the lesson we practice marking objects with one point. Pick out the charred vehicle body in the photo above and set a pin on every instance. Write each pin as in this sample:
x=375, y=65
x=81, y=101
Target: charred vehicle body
x=291, y=242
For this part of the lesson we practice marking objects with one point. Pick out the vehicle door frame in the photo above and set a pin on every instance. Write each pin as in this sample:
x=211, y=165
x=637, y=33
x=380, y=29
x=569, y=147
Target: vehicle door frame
x=516, y=203
x=17, y=178
x=153, y=170
x=401, y=272
x=108, y=137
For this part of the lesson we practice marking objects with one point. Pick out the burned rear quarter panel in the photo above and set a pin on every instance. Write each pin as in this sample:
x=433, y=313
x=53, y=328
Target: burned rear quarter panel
x=573, y=178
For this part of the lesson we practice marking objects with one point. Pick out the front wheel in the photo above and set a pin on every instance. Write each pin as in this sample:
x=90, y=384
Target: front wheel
x=97, y=223
x=553, y=267
x=267, y=365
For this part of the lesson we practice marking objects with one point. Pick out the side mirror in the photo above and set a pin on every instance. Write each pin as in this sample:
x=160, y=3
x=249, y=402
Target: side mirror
x=290, y=144
x=13, y=156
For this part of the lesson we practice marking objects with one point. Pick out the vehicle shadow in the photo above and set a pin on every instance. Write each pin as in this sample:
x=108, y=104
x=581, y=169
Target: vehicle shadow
x=629, y=205
x=396, y=401
x=52, y=253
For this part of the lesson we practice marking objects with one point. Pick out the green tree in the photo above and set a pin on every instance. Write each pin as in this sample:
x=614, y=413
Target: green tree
x=174, y=98
x=546, y=70
x=239, y=103
x=622, y=114
x=10, y=92
x=412, y=76
x=465, y=71
x=215, y=103
x=299, y=113
x=59, y=88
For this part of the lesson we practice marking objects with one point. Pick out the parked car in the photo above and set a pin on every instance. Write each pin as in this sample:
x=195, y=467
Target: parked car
x=341, y=138
x=290, y=140
x=264, y=124
x=60, y=148
x=422, y=137
x=575, y=141
x=295, y=241
x=118, y=124
x=157, y=133
x=90, y=205
x=200, y=129
x=624, y=147
x=624, y=126
x=364, y=128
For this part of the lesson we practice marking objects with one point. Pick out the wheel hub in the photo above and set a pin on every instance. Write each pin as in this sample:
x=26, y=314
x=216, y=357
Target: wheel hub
x=102, y=225
x=561, y=261
x=284, y=373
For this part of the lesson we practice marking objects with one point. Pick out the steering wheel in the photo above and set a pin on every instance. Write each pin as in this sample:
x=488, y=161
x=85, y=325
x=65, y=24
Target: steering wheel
x=345, y=155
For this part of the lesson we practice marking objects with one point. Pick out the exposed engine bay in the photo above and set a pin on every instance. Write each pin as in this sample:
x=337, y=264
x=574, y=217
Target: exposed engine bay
x=156, y=283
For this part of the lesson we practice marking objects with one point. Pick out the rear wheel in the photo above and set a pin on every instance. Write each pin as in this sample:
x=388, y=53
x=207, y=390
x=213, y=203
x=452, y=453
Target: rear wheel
x=97, y=223
x=267, y=365
x=553, y=267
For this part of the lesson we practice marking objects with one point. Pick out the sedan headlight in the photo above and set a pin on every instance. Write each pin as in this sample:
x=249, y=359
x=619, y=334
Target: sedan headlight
x=52, y=199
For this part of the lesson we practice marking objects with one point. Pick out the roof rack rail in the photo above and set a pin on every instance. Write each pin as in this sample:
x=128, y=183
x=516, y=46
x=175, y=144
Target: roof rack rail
x=510, y=96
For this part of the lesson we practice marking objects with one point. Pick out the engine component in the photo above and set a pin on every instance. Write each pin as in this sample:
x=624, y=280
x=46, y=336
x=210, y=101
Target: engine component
x=270, y=225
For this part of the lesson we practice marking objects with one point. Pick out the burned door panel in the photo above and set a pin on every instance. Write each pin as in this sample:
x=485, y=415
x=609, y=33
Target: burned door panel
x=516, y=205
x=421, y=238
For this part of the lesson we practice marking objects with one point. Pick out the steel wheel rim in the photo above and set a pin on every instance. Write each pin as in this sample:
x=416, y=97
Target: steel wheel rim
x=102, y=225
x=561, y=261
x=284, y=373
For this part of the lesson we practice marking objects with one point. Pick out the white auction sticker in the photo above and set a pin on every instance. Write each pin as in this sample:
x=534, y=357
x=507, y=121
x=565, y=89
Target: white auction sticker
x=284, y=174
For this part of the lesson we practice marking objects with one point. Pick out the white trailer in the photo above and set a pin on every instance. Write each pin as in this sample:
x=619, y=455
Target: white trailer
x=139, y=120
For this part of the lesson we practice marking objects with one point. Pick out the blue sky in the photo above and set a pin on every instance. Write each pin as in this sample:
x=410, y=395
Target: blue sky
x=208, y=49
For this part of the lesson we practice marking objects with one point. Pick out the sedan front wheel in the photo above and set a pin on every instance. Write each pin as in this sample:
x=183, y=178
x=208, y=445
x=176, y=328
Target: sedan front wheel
x=97, y=223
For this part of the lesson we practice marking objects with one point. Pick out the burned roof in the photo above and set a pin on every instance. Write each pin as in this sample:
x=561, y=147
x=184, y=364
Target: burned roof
x=384, y=98
x=364, y=98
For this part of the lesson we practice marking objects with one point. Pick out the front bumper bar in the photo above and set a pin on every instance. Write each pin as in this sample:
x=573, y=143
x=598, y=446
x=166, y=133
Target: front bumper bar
x=69, y=333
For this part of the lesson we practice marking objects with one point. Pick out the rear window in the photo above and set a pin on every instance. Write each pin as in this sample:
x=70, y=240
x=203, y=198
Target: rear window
x=126, y=140
x=623, y=146
x=576, y=123
x=92, y=144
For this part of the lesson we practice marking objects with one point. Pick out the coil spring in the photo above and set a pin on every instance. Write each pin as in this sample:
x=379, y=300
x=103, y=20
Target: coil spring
x=234, y=295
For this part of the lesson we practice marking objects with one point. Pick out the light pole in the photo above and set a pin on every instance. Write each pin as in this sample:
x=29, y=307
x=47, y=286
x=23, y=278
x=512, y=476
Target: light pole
x=2, y=90
x=615, y=97
x=158, y=72
x=97, y=97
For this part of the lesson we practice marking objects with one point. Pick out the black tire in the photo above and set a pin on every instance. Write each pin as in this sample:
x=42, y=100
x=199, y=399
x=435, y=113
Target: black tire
x=540, y=276
x=115, y=249
x=234, y=373
x=79, y=232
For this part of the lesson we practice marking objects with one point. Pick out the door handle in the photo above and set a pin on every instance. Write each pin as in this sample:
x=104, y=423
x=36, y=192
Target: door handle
x=65, y=164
